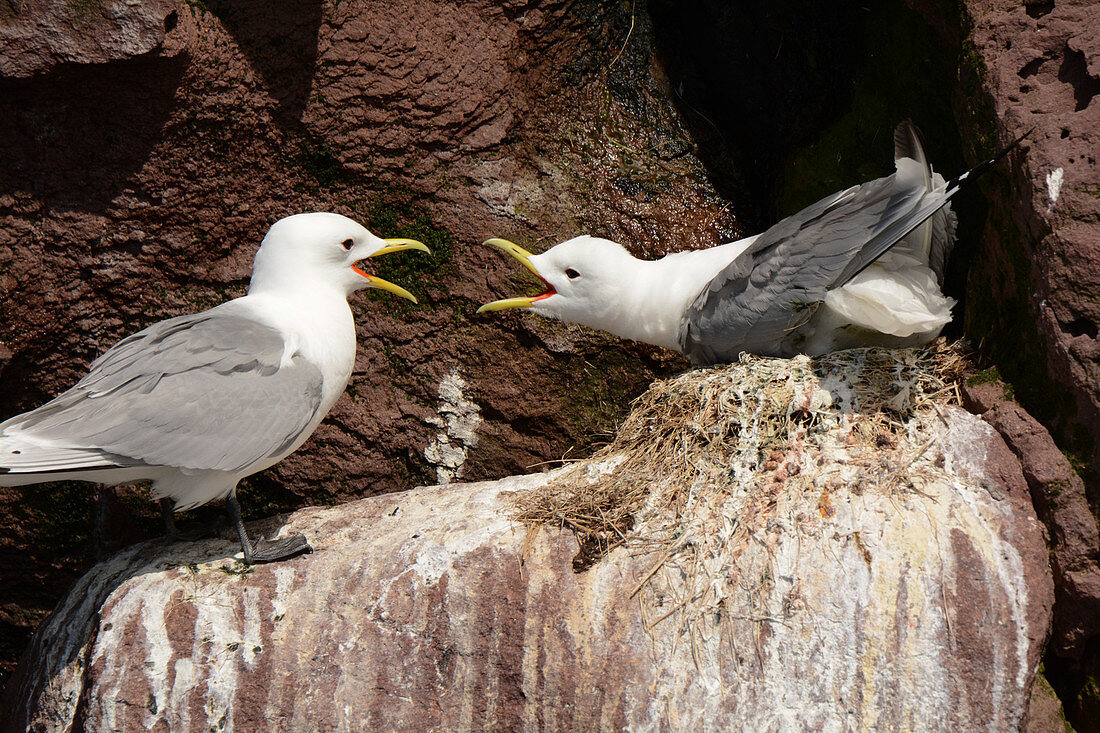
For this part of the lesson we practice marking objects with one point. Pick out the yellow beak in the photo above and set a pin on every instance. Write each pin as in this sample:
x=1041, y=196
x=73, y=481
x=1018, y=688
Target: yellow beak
x=524, y=258
x=392, y=245
x=396, y=245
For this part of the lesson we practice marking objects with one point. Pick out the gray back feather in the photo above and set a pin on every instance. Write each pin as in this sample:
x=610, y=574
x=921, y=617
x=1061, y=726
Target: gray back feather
x=759, y=303
x=201, y=391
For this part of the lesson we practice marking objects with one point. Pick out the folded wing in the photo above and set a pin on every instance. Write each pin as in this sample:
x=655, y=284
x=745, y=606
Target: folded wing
x=763, y=300
x=204, y=391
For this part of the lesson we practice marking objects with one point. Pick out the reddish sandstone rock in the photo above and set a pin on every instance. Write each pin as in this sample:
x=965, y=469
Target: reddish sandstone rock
x=137, y=178
x=918, y=599
x=141, y=190
x=37, y=35
x=1060, y=501
x=1033, y=299
x=1036, y=280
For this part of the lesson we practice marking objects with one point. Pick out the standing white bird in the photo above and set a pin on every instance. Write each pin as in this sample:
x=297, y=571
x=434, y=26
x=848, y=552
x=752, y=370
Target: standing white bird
x=859, y=268
x=196, y=403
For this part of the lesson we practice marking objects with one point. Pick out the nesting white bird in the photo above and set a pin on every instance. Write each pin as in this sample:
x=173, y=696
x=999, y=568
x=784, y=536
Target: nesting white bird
x=198, y=402
x=862, y=267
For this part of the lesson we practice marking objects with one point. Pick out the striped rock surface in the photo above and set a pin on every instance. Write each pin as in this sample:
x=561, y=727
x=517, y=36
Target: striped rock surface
x=846, y=609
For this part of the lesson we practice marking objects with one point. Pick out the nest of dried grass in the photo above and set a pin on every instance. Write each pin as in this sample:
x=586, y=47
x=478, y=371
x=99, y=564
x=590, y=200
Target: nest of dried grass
x=715, y=429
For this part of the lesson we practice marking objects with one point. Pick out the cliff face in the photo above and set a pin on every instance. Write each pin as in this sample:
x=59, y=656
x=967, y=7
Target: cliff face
x=1037, y=277
x=837, y=557
x=450, y=122
x=145, y=148
x=1033, y=296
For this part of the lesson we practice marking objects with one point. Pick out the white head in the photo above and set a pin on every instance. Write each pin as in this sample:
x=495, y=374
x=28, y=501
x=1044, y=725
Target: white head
x=588, y=281
x=322, y=251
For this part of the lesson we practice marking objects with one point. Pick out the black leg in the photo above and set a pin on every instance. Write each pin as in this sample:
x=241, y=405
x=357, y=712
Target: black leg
x=110, y=524
x=170, y=530
x=263, y=550
x=235, y=516
x=169, y=518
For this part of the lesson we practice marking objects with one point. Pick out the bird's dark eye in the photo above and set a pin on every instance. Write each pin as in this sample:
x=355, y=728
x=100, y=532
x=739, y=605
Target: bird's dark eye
x=348, y=243
x=572, y=274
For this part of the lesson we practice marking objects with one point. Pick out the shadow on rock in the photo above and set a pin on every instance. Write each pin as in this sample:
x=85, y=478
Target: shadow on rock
x=280, y=41
x=75, y=136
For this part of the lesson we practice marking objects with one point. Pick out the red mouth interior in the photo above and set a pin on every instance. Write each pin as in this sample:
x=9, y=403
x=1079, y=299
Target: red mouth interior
x=356, y=268
x=549, y=291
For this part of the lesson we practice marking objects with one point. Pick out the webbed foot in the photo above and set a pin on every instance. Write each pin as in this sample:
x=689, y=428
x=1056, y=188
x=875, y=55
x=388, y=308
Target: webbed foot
x=280, y=549
x=264, y=550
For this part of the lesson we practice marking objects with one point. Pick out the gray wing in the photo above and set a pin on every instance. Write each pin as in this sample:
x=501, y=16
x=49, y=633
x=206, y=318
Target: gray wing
x=759, y=302
x=938, y=234
x=202, y=391
x=943, y=222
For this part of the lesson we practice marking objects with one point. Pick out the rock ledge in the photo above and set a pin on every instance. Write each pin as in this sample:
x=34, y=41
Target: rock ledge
x=823, y=597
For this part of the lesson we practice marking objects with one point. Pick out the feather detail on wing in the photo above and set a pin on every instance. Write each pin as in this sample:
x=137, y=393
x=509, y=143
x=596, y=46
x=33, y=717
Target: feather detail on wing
x=22, y=455
x=762, y=302
x=758, y=303
x=202, y=391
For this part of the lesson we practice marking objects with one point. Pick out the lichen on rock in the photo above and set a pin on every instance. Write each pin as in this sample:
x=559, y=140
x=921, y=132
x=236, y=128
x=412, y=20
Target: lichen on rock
x=458, y=420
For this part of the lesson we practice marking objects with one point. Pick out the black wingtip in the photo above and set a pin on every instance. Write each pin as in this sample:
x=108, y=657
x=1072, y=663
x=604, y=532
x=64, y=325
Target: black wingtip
x=981, y=168
x=1010, y=147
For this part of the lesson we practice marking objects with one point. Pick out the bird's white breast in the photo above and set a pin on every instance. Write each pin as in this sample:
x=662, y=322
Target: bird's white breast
x=317, y=327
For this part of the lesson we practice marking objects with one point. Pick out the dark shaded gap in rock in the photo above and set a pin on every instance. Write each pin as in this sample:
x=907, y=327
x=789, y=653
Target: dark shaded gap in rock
x=1038, y=10
x=1031, y=67
x=789, y=102
x=757, y=81
x=1074, y=71
x=1074, y=681
x=1082, y=327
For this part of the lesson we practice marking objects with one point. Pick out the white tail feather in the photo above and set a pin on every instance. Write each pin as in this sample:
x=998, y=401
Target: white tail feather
x=900, y=302
x=20, y=454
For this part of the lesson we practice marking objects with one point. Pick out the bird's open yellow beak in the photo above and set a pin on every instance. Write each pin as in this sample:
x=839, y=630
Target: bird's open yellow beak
x=396, y=245
x=392, y=245
x=524, y=258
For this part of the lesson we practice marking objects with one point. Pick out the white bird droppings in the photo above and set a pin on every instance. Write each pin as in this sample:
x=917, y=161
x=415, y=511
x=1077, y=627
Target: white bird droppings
x=458, y=420
x=1054, y=187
